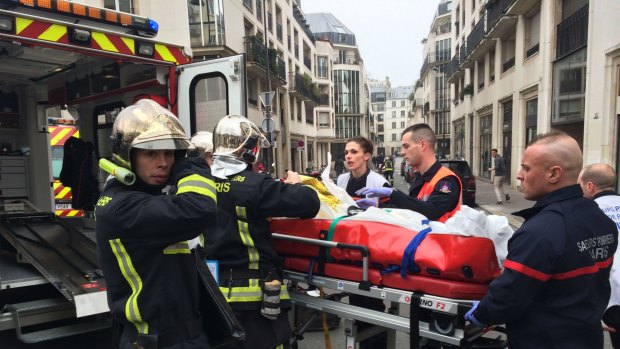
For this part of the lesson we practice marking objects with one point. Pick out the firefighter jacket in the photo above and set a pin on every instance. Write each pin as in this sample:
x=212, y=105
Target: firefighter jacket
x=555, y=285
x=388, y=166
x=241, y=241
x=142, y=238
x=435, y=194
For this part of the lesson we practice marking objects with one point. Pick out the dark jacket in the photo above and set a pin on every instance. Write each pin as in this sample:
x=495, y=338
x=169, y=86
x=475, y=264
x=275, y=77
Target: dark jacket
x=142, y=240
x=241, y=241
x=555, y=285
x=444, y=197
x=500, y=165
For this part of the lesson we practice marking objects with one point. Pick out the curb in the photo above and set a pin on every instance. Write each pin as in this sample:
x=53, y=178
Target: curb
x=514, y=222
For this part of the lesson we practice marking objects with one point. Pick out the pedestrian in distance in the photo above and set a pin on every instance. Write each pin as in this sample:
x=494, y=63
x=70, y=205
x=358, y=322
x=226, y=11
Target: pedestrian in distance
x=339, y=166
x=249, y=270
x=555, y=284
x=499, y=171
x=142, y=233
x=598, y=182
x=435, y=192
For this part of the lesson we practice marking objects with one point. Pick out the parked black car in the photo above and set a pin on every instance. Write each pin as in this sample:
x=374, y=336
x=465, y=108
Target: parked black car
x=462, y=169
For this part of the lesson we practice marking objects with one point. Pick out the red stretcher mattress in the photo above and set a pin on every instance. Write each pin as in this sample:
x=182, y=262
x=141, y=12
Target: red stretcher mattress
x=443, y=256
x=424, y=284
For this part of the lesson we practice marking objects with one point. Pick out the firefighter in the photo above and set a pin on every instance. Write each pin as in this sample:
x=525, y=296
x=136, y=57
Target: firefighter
x=202, y=143
x=435, y=191
x=388, y=171
x=555, y=285
x=249, y=270
x=142, y=233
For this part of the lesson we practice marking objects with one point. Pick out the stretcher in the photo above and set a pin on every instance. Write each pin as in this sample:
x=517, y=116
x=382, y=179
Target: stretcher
x=427, y=307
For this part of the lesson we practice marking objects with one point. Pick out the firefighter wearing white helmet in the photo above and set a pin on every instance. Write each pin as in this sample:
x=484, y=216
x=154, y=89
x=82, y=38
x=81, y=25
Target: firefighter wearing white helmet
x=249, y=270
x=202, y=146
x=152, y=281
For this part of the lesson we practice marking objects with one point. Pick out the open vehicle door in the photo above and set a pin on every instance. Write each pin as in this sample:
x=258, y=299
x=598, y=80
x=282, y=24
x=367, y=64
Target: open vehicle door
x=210, y=90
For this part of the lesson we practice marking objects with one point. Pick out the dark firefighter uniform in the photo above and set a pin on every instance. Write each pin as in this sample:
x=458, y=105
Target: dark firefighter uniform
x=436, y=194
x=142, y=240
x=241, y=243
x=555, y=286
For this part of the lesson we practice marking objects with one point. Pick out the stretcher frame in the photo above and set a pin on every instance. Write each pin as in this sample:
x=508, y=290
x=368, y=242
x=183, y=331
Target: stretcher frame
x=446, y=326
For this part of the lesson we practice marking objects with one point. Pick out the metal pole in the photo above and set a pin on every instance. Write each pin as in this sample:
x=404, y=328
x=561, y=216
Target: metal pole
x=267, y=67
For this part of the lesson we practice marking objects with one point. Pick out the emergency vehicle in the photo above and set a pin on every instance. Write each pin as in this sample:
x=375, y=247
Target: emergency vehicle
x=95, y=61
x=55, y=53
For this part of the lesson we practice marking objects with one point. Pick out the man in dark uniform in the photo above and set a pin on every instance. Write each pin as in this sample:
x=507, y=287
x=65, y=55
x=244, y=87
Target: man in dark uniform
x=249, y=270
x=142, y=234
x=435, y=191
x=555, y=284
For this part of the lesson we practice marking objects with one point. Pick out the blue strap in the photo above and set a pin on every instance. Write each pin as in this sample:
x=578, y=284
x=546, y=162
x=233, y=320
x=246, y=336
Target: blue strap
x=389, y=269
x=410, y=253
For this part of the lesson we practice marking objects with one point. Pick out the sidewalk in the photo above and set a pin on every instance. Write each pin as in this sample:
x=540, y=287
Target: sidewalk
x=486, y=200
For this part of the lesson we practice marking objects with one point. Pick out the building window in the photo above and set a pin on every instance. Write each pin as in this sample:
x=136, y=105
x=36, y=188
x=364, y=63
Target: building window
x=119, y=5
x=321, y=63
x=393, y=137
x=402, y=103
x=402, y=113
x=323, y=119
x=206, y=23
x=393, y=103
x=532, y=35
x=380, y=128
x=380, y=117
x=531, y=116
x=347, y=127
x=394, y=114
x=346, y=91
x=569, y=88
x=402, y=124
x=248, y=4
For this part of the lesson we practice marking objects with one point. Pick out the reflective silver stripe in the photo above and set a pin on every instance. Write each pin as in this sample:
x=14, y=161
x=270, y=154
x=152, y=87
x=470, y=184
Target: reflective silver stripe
x=246, y=238
x=132, y=313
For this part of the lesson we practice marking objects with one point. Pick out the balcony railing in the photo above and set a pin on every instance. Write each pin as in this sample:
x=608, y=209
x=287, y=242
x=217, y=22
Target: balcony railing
x=307, y=62
x=463, y=53
x=533, y=50
x=432, y=58
x=477, y=34
x=453, y=66
x=496, y=9
x=572, y=33
x=303, y=88
x=299, y=17
x=255, y=53
x=508, y=64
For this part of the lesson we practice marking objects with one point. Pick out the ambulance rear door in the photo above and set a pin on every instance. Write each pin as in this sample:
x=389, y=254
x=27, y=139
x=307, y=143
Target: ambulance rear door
x=210, y=90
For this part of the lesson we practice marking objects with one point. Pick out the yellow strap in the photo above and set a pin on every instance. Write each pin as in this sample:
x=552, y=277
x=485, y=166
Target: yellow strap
x=197, y=184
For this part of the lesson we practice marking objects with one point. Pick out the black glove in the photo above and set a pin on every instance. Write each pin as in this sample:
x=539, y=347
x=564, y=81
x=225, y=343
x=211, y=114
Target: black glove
x=188, y=166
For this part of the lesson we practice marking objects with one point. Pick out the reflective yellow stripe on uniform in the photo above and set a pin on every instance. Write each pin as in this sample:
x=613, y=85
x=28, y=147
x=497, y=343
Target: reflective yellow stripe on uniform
x=197, y=184
x=246, y=238
x=250, y=293
x=179, y=247
x=132, y=313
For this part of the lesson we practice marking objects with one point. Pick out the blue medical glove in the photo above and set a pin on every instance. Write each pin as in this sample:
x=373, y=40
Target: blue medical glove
x=470, y=315
x=380, y=192
x=366, y=203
